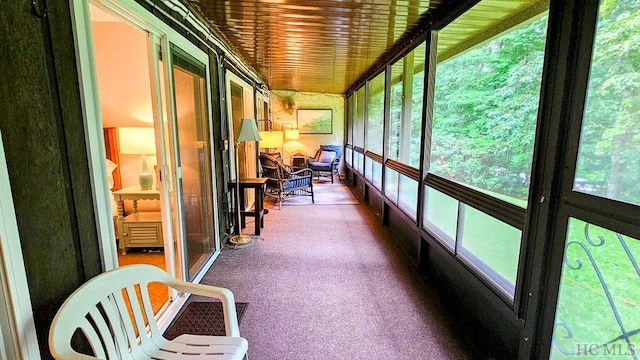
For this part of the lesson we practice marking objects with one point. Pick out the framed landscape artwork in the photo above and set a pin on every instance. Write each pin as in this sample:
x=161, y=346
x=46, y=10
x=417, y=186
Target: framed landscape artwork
x=315, y=121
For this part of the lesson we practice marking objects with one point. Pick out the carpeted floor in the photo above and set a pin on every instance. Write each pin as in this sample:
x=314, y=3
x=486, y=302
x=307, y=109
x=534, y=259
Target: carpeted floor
x=201, y=318
x=326, y=282
x=325, y=193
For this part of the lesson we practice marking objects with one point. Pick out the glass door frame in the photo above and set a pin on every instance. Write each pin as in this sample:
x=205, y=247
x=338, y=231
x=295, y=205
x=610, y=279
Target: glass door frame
x=17, y=326
x=553, y=201
x=162, y=34
x=251, y=108
x=170, y=101
x=157, y=47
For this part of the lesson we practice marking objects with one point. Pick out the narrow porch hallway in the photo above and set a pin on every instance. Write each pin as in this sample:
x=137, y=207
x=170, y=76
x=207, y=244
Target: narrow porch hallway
x=326, y=282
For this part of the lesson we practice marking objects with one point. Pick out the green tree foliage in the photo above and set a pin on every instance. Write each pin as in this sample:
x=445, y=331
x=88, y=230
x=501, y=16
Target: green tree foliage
x=405, y=100
x=375, y=114
x=610, y=140
x=485, y=111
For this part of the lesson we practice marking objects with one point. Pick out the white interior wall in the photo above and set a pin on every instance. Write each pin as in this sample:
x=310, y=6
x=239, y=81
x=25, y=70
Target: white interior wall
x=125, y=87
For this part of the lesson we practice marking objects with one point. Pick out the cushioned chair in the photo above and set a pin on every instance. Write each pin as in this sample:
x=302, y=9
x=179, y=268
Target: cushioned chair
x=283, y=182
x=326, y=160
x=119, y=326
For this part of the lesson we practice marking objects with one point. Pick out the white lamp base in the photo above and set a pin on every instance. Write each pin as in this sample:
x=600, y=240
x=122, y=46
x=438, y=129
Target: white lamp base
x=145, y=179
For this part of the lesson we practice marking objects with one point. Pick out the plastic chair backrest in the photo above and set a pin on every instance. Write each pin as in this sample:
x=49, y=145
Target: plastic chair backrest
x=111, y=310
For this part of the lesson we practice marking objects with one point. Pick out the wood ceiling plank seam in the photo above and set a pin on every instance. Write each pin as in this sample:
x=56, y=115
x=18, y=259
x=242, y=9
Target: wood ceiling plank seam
x=254, y=27
x=496, y=27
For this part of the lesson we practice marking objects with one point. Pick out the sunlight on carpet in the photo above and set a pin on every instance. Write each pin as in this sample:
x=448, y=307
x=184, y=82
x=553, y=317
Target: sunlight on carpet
x=325, y=193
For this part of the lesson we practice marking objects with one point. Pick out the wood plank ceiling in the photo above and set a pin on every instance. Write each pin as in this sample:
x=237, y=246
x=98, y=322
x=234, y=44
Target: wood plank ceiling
x=310, y=45
x=324, y=46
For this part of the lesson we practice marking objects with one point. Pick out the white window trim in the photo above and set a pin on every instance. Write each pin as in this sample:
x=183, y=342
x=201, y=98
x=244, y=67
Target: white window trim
x=81, y=21
x=16, y=314
x=139, y=16
x=248, y=111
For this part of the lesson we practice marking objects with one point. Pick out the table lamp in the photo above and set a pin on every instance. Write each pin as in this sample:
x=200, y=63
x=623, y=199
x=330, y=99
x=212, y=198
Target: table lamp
x=270, y=139
x=290, y=134
x=248, y=132
x=139, y=141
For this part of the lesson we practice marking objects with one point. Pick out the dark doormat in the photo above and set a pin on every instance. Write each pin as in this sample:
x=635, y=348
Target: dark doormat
x=201, y=318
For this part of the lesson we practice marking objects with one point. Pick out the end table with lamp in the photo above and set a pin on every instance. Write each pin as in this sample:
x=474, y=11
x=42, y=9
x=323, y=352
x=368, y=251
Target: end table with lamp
x=258, y=211
x=299, y=161
x=248, y=132
x=138, y=229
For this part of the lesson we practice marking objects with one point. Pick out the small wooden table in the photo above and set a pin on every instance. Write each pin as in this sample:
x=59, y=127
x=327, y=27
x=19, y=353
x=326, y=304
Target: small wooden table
x=141, y=229
x=258, y=184
x=299, y=162
x=134, y=193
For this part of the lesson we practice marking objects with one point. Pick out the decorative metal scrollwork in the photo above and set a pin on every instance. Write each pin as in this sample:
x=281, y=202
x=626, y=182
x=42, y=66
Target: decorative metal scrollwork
x=578, y=263
x=555, y=341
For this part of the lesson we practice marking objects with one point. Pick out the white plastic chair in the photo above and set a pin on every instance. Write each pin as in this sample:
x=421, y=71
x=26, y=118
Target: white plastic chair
x=100, y=310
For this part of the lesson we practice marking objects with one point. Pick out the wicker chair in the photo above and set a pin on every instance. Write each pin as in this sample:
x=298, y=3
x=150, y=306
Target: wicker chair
x=326, y=160
x=283, y=182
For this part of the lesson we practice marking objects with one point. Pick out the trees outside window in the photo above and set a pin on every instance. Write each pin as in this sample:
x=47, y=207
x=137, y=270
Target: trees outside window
x=608, y=162
x=485, y=111
x=375, y=114
x=406, y=99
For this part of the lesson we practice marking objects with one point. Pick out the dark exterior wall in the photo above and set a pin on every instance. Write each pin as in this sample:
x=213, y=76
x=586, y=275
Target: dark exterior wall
x=221, y=155
x=406, y=234
x=42, y=129
x=43, y=133
x=489, y=324
x=375, y=200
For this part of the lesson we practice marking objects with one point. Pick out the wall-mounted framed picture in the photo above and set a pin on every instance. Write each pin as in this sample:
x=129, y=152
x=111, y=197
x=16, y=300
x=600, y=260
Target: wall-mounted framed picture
x=315, y=121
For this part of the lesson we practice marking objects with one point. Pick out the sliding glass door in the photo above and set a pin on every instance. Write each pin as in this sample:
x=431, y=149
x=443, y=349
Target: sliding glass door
x=192, y=144
x=175, y=83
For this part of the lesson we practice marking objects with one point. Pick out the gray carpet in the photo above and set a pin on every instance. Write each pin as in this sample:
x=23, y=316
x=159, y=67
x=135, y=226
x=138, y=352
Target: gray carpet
x=324, y=282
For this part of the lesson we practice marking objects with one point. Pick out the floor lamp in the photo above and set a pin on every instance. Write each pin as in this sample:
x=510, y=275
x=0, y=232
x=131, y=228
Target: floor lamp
x=248, y=132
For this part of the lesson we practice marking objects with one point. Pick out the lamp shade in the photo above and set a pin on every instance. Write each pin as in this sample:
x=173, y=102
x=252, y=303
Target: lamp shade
x=289, y=132
x=248, y=131
x=292, y=134
x=271, y=139
x=136, y=140
x=139, y=141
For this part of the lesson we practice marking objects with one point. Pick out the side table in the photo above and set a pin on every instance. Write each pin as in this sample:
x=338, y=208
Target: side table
x=257, y=184
x=299, y=162
x=133, y=193
x=141, y=229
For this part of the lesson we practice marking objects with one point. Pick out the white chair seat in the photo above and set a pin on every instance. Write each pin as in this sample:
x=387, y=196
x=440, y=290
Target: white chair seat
x=189, y=346
x=113, y=308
